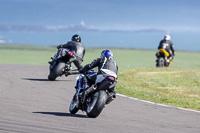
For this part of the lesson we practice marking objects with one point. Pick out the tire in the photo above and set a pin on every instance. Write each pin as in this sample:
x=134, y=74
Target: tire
x=96, y=106
x=56, y=71
x=73, y=105
x=160, y=62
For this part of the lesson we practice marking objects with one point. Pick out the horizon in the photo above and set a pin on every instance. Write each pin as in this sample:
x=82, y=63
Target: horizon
x=128, y=23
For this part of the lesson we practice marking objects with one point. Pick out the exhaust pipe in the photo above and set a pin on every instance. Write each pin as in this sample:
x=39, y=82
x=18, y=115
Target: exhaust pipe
x=89, y=91
x=111, y=97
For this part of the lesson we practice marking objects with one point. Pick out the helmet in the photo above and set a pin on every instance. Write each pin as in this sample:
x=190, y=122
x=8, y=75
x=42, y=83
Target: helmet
x=106, y=53
x=167, y=37
x=76, y=38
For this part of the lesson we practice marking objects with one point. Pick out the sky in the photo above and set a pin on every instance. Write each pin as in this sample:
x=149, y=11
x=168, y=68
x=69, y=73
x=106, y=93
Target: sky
x=179, y=18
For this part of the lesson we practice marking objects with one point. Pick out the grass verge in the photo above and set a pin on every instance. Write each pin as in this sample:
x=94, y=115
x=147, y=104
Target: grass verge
x=171, y=86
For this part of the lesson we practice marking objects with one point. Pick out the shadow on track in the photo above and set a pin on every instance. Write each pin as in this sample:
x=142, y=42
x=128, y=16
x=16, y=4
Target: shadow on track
x=35, y=79
x=62, y=114
x=31, y=79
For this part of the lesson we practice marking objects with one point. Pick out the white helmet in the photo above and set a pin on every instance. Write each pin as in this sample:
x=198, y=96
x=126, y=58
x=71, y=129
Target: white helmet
x=167, y=37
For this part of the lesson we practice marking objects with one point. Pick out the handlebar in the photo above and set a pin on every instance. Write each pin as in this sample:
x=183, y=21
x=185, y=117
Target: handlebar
x=76, y=72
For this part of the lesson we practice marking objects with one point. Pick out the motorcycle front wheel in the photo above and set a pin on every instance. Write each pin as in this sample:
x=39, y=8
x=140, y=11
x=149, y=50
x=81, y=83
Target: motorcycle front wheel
x=57, y=71
x=73, y=105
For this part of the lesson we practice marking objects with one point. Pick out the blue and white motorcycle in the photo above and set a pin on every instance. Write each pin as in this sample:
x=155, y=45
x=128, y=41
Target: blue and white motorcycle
x=92, y=98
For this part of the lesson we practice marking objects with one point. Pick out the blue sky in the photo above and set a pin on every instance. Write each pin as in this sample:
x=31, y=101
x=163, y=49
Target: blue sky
x=172, y=16
x=111, y=14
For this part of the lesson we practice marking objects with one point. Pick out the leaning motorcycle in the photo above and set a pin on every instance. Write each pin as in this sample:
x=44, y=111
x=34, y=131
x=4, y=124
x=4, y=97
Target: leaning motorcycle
x=162, y=58
x=61, y=63
x=95, y=97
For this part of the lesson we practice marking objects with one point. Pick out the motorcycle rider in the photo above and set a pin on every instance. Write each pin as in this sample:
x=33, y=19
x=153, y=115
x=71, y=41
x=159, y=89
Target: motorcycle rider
x=77, y=48
x=167, y=44
x=106, y=66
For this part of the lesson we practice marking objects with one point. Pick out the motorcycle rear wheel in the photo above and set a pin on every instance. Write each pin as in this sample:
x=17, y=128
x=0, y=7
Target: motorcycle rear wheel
x=57, y=71
x=160, y=62
x=97, y=104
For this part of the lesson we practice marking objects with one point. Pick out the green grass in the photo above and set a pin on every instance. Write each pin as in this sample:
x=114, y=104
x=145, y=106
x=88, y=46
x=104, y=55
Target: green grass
x=178, y=85
x=126, y=58
x=171, y=86
x=23, y=57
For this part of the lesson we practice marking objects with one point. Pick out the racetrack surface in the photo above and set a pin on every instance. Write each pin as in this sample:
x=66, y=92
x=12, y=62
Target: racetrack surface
x=29, y=103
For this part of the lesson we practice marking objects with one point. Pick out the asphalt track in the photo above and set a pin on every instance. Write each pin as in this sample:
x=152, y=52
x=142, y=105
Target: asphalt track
x=29, y=103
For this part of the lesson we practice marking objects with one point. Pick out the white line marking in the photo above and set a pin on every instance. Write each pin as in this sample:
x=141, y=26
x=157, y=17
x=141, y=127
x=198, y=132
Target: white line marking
x=159, y=104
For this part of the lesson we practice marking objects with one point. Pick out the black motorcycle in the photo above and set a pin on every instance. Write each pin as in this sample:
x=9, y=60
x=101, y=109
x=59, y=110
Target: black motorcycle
x=61, y=63
x=92, y=99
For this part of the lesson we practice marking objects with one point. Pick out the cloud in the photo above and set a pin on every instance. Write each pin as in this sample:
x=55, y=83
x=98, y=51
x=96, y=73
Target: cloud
x=183, y=28
x=106, y=28
x=82, y=23
x=2, y=41
x=39, y=28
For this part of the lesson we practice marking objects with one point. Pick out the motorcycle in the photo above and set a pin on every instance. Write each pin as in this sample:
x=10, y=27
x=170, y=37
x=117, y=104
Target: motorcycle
x=162, y=58
x=92, y=99
x=61, y=63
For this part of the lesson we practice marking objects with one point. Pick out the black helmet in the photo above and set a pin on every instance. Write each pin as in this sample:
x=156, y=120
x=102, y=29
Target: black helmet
x=76, y=38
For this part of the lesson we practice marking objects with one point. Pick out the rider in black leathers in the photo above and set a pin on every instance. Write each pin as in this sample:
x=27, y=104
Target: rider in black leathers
x=167, y=44
x=77, y=48
x=106, y=66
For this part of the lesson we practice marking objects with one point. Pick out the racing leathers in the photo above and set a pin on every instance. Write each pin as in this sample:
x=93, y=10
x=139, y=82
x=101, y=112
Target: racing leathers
x=168, y=46
x=78, y=49
x=106, y=66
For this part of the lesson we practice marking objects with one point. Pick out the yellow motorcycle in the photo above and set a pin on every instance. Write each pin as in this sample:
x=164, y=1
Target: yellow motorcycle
x=162, y=58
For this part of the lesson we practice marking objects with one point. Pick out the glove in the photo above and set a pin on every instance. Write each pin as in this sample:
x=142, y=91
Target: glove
x=174, y=54
x=60, y=46
x=81, y=70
